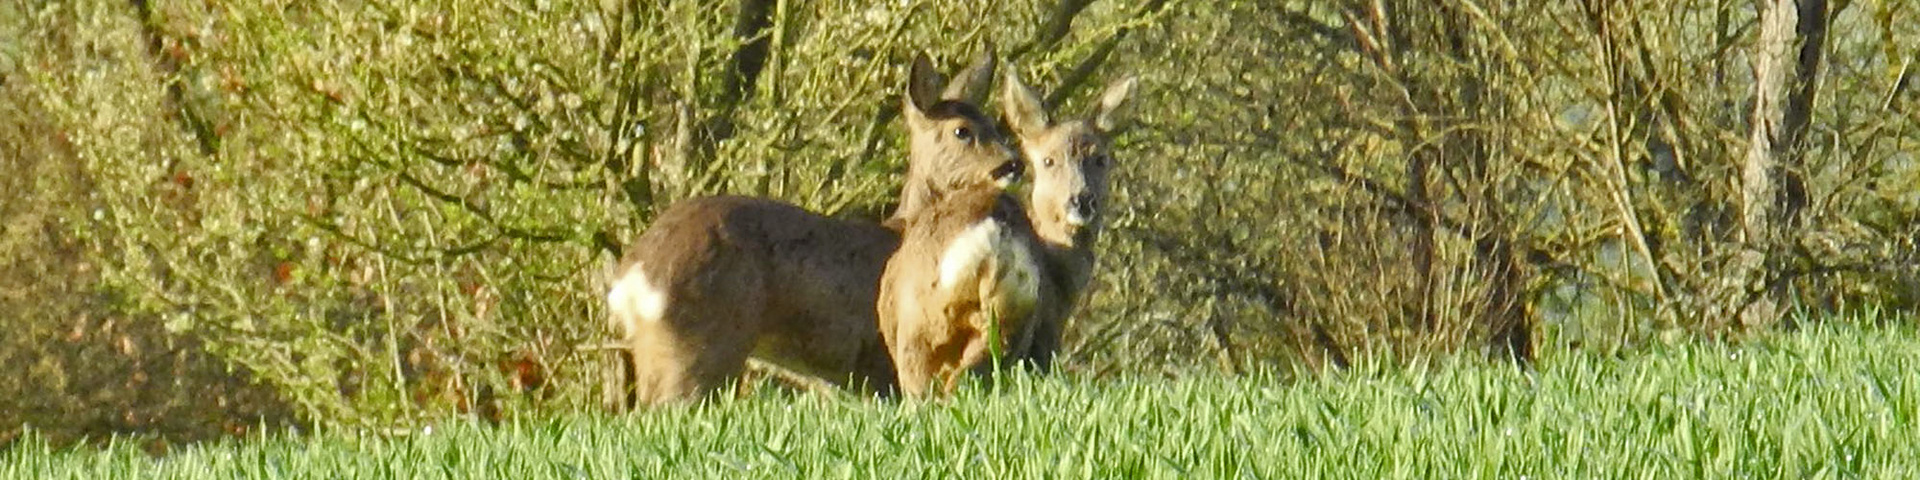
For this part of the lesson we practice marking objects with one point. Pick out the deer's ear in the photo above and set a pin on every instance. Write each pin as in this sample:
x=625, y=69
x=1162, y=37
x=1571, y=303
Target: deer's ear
x=1110, y=113
x=922, y=83
x=1025, y=112
x=973, y=84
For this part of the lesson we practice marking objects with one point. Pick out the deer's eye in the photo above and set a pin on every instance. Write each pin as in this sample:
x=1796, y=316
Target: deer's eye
x=1046, y=162
x=963, y=133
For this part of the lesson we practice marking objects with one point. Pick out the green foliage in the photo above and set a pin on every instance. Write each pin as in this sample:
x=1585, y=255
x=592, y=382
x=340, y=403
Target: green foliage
x=378, y=209
x=1319, y=181
x=386, y=214
x=1825, y=402
x=79, y=362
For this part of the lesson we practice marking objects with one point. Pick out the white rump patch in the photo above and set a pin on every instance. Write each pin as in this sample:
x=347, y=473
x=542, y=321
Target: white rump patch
x=633, y=296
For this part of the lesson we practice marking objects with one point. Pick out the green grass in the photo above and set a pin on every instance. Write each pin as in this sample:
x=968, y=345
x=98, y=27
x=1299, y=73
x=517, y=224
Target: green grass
x=1835, y=402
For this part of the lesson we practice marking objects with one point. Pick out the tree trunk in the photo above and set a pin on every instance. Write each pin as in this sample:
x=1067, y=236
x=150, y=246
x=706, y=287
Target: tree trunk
x=1772, y=185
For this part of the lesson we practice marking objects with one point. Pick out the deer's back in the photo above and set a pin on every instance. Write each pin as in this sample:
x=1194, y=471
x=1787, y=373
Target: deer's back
x=790, y=242
x=811, y=278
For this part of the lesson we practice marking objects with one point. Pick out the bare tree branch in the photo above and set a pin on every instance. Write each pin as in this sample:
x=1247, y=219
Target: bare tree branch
x=1059, y=23
x=1331, y=34
x=1077, y=77
x=195, y=123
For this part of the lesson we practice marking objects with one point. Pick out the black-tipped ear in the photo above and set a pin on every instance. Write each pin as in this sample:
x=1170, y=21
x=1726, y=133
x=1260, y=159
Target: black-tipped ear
x=1022, y=106
x=1110, y=113
x=973, y=84
x=922, y=83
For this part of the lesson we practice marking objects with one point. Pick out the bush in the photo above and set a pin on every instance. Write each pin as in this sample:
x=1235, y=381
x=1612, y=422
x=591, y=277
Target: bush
x=385, y=213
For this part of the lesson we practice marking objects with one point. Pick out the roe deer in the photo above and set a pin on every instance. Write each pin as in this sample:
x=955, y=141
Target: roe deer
x=962, y=287
x=1071, y=160
x=715, y=280
x=976, y=274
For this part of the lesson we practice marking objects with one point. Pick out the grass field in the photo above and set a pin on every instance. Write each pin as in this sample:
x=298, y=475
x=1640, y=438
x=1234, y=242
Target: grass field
x=1831, y=402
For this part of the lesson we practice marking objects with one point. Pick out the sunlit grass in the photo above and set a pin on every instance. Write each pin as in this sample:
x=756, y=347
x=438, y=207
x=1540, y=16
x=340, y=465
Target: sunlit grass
x=1833, y=402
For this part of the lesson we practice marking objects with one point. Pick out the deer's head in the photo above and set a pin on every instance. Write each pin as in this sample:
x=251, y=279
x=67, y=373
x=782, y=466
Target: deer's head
x=952, y=141
x=1070, y=159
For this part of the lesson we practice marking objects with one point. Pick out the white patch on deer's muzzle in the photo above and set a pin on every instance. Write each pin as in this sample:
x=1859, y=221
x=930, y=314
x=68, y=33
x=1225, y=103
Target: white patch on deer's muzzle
x=989, y=241
x=1075, y=218
x=633, y=296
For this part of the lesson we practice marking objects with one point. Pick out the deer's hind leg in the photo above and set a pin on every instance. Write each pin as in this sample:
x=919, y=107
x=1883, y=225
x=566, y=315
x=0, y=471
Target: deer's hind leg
x=683, y=365
x=697, y=341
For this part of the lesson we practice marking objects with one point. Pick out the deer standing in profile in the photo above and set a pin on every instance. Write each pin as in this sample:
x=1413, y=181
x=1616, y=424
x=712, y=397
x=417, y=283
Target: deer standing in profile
x=976, y=274
x=716, y=280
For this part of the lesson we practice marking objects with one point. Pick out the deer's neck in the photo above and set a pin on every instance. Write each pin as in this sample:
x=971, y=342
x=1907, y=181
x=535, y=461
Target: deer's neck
x=1069, y=253
x=915, y=196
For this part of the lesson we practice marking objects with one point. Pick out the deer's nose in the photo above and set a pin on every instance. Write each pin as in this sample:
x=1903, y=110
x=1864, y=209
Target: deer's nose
x=1009, y=172
x=1083, y=206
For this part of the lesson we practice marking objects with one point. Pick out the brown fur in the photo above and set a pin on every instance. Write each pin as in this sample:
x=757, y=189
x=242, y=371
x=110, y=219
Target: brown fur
x=941, y=161
x=937, y=331
x=715, y=280
x=964, y=283
x=1076, y=178
x=750, y=276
